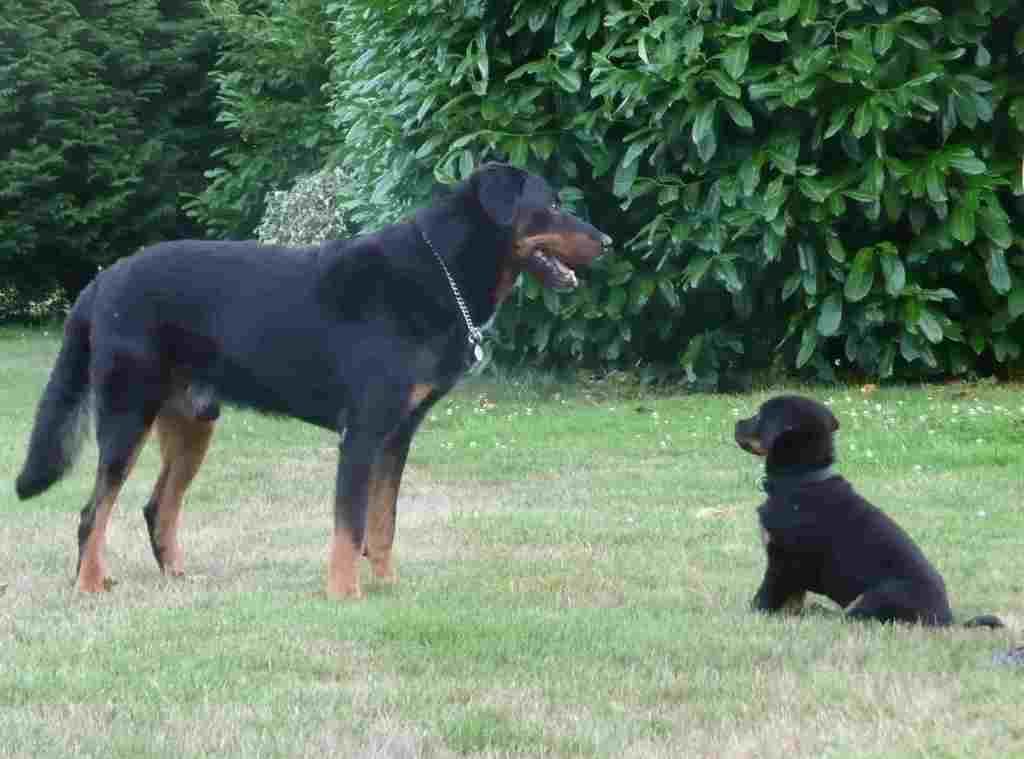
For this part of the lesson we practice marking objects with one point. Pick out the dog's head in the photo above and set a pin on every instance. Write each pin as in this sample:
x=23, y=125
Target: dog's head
x=790, y=430
x=547, y=241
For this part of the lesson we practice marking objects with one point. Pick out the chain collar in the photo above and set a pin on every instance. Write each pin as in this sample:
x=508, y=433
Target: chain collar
x=475, y=336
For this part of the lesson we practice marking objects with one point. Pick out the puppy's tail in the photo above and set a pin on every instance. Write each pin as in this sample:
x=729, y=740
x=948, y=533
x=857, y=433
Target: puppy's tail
x=985, y=620
x=60, y=419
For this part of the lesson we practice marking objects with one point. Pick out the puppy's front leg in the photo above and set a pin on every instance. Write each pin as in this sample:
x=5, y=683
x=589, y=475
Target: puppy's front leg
x=780, y=589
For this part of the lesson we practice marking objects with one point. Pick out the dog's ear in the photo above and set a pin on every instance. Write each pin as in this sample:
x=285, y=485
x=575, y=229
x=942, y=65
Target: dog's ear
x=773, y=428
x=795, y=416
x=499, y=188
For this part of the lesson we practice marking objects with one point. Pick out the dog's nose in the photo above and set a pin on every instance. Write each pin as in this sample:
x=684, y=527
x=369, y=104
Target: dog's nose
x=606, y=240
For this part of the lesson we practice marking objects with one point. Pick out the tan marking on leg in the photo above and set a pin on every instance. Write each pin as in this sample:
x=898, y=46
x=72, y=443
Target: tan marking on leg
x=183, y=446
x=380, y=518
x=417, y=395
x=794, y=604
x=92, y=568
x=342, y=567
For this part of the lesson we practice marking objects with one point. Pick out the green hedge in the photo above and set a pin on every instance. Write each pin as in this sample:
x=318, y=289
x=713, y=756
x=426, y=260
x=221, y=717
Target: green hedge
x=832, y=184
x=270, y=74
x=106, y=120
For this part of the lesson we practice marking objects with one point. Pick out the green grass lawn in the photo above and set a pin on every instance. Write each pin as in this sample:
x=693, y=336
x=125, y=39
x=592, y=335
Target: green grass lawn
x=576, y=563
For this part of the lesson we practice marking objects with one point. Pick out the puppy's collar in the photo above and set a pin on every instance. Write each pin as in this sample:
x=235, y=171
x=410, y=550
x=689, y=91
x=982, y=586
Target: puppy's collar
x=475, y=335
x=782, y=484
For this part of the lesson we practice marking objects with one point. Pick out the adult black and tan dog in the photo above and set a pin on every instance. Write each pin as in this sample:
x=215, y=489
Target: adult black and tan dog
x=361, y=336
x=822, y=537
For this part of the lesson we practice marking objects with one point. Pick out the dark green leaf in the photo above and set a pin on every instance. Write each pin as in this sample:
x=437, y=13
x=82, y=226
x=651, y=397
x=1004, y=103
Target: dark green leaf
x=1005, y=348
x=707, y=147
x=838, y=119
x=704, y=122
x=1015, y=303
x=863, y=119
x=696, y=269
x=616, y=301
x=964, y=161
x=935, y=184
x=740, y=115
x=786, y=10
x=894, y=273
x=861, y=276
x=625, y=176
x=724, y=83
x=551, y=300
x=962, y=224
x=726, y=271
x=930, y=326
x=693, y=38
x=998, y=273
x=791, y=285
x=830, y=315
x=568, y=79
x=884, y=37
x=808, y=344
x=835, y=248
x=668, y=292
x=996, y=226
x=813, y=189
x=925, y=15
x=886, y=360
x=735, y=58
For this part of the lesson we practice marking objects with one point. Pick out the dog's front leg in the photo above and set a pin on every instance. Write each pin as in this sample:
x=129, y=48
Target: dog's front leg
x=352, y=492
x=780, y=590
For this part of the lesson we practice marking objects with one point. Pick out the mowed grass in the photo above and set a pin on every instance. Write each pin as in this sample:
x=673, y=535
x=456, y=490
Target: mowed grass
x=576, y=563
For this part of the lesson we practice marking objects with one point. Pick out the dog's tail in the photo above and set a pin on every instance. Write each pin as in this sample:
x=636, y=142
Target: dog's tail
x=985, y=620
x=63, y=410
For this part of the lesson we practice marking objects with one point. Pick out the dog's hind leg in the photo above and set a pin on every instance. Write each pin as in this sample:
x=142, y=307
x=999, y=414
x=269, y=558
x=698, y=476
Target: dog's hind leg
x=183, y=445
x=128, y=389
x=901, y=600
x=92, y=574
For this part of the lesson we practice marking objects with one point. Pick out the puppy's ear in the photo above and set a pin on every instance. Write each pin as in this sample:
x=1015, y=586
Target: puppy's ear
x=498, y=189
x=773, y=429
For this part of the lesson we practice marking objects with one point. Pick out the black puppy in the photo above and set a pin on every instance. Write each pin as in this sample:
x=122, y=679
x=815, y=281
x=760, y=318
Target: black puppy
x=821, y=536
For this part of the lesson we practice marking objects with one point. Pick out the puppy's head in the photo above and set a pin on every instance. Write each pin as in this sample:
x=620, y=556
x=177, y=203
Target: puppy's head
x=789, y=430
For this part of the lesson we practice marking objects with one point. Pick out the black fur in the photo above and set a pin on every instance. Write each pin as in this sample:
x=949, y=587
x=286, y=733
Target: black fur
x=61, y=416
x=344, y=335
x=822, y=536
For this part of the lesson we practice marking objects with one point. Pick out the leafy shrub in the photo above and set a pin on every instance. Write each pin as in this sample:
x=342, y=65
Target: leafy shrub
x=105, y=121
x=310, y=212
x=270, y=74
x=835, y=182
